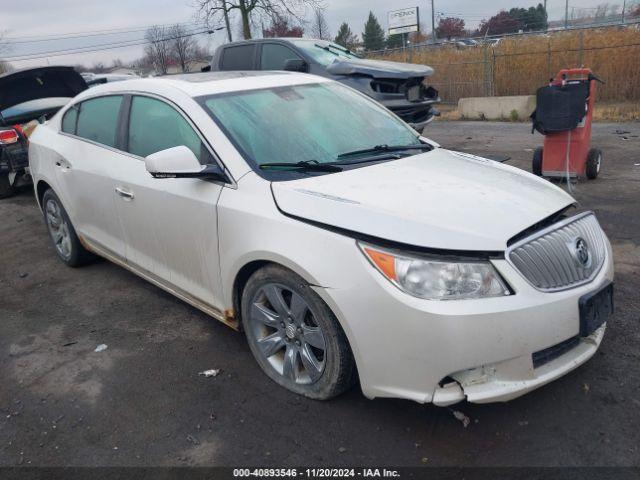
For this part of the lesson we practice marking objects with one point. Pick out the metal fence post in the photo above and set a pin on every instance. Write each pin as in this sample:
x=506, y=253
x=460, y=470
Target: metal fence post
x=450, y=75
x=549, y=73
x=581, y=50
x=486, y=67
x=493, y=73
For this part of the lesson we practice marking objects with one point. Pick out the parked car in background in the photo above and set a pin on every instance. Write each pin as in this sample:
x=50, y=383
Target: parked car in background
x=344, y=244
x=466, y=42
x=492, y=42
x=27, y=95
x=398, y=86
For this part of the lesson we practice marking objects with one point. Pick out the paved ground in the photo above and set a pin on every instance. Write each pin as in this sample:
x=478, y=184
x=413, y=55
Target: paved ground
x=141, y=402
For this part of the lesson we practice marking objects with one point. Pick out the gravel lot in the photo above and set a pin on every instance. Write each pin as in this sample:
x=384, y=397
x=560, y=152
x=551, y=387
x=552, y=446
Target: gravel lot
x=142, y=402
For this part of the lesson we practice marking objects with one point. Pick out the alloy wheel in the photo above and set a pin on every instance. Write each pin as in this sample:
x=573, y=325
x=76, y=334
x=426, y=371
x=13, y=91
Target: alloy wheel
x=286, y=333
x=58, y=228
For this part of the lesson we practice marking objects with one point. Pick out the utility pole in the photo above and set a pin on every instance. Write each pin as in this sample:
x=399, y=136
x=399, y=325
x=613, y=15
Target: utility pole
x=546, y=17
x=624, y=7
x=433, y=23
x=566, y=14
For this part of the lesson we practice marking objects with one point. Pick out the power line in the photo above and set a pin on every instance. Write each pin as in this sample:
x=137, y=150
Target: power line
x=94, y=48
x=93, y=33
x=191, y=31
x=53, y=39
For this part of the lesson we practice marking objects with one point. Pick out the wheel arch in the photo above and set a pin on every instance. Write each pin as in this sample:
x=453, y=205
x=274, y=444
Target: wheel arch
x=251, y=265
x=240, y=281
x=41, y=187
x=245, y=272
x=248, y=267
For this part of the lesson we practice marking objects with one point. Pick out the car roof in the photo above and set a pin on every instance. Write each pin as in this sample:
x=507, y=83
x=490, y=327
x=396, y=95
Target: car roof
x=271, y=39
x=206, y=83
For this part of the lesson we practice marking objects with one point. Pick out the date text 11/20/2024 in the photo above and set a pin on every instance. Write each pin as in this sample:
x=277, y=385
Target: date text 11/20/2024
x=316, y=472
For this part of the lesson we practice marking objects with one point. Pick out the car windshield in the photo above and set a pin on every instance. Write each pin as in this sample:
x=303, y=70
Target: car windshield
x=325, y=53
x=306, y=123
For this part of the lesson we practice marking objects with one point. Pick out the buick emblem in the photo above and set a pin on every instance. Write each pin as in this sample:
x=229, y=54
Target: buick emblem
x=581, y=252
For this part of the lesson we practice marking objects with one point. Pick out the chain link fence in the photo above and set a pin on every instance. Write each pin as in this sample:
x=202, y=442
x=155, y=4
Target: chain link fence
x=518, y=65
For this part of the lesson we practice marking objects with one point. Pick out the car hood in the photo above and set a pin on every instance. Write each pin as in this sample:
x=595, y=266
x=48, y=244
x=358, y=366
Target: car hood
x=379, y=69
x=22, y=86
x=439, y=199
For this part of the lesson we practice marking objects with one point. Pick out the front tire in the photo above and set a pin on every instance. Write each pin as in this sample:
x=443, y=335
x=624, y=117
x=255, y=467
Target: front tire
x=6, y=189
x=594, y=162
x=63, y=235
x=294, y=336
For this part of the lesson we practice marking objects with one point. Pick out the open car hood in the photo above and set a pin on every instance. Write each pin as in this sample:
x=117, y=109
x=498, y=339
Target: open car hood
x=379, y=69
x=22, y=86
x=439, y=199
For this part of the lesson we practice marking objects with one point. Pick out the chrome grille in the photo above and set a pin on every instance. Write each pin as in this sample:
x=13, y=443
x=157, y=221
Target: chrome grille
x=553, y=259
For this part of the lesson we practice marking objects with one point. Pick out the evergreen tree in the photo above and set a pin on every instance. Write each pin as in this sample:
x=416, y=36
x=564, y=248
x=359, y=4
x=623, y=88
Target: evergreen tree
x=373, y=35
x=394, y=41
x=345, y=37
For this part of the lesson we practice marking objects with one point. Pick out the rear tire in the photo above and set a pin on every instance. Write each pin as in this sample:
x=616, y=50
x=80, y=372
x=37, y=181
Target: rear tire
x=63, y=235
x=594, y=162
x=294, y=336
x=536, y=166
x=6, y=189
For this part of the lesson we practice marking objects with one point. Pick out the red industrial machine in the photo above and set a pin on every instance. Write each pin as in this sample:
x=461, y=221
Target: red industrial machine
x=564, y=113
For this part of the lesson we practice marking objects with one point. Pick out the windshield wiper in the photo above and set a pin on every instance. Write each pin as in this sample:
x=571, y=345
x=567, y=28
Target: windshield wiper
x=385, y=149
x=333, y=48
x=305, y=166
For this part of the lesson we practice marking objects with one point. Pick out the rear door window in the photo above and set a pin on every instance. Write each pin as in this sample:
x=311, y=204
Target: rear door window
x=239, y=57
x=98, y=119
x=69, y=120
x=274, y=56
x=155, y=126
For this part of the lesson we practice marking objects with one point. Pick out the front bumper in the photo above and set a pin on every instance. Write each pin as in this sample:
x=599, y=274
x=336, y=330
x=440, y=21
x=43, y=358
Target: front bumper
x=513, y=378
x=417, y=114
x=410, y=348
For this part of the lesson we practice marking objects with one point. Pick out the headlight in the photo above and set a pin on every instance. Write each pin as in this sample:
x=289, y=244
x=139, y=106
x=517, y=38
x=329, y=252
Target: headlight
x=437, y=279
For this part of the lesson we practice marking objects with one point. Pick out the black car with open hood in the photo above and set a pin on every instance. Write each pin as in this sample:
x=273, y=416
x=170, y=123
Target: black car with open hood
x=398, y=86
x=25, y=96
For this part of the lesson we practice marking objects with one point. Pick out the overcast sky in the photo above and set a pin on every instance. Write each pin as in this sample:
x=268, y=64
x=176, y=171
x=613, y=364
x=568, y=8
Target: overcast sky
x=26, y=23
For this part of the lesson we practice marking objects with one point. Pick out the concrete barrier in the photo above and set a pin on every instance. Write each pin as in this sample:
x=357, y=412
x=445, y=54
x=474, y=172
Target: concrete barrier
x=497, y=108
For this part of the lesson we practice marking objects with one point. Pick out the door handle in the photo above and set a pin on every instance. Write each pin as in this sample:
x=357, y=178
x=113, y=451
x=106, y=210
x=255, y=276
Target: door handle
x=124, y=193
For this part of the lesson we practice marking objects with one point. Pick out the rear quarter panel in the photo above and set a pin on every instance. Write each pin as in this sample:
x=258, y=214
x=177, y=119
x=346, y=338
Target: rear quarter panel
x=43, y=157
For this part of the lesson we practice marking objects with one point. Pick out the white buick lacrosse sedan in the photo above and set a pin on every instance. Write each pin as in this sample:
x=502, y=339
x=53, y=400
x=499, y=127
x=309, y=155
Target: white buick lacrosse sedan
x=345, y=246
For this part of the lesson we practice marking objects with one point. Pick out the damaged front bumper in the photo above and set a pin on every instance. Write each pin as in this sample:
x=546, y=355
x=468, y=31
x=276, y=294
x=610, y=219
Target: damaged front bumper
x=417, y=114
x=393, y=93
x=481, y=350
x=513, y=378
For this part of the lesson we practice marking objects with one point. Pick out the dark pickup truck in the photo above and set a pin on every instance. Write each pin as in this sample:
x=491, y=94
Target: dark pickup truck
x=398, y=86
x=27, y=95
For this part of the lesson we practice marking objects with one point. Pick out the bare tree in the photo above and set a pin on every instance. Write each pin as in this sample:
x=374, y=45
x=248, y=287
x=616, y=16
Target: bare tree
x=158, y=48
x=183, y=46
x=227, y=24
x=319, y=26
x=214, y=11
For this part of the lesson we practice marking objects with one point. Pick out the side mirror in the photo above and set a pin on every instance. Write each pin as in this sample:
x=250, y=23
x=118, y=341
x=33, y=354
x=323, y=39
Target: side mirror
x=180, y=162
x=296, y=65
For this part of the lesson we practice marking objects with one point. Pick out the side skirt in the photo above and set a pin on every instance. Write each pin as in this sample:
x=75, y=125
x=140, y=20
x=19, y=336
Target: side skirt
x=227, y=317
